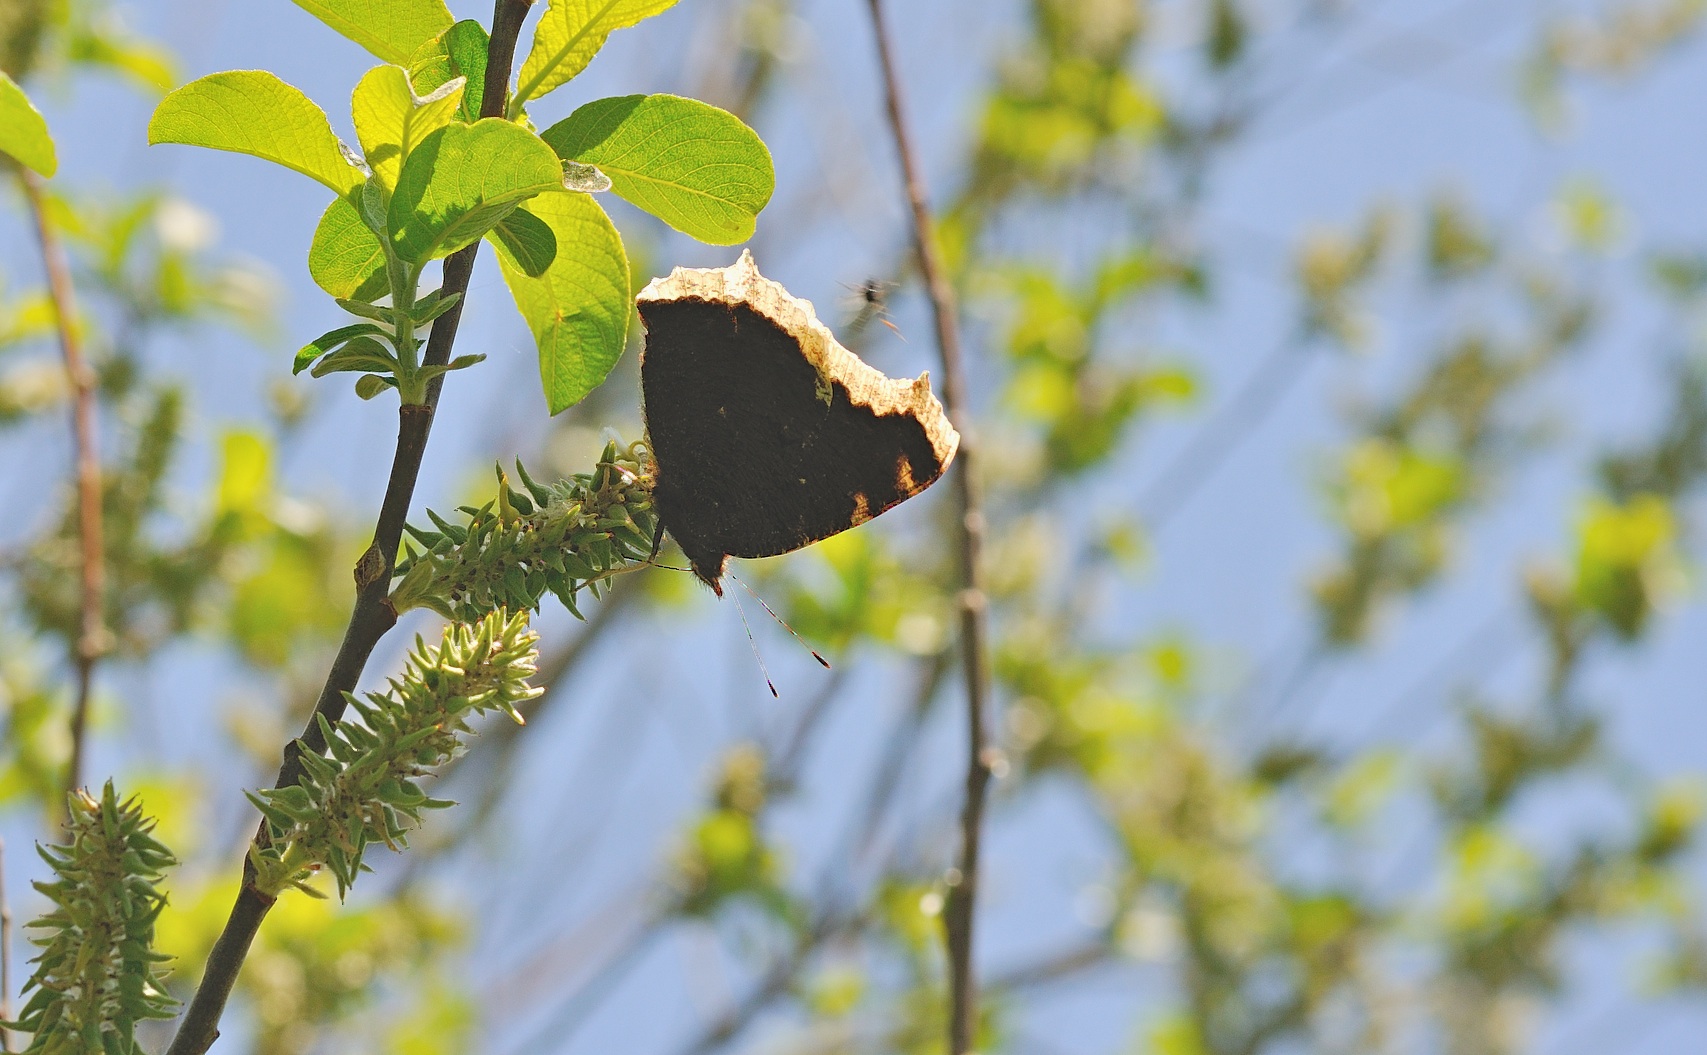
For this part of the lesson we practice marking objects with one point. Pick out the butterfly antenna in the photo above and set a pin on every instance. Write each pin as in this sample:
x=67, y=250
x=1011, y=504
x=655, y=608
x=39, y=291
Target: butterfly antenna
x=780, y=621
x=754, y=645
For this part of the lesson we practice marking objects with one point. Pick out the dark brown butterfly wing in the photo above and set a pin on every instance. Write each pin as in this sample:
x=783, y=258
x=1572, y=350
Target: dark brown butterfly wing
x=768, y=435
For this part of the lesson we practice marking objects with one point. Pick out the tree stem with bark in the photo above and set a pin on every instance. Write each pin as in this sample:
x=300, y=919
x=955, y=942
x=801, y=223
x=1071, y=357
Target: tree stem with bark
x=372, y=617
x=959, y=910
x=91, y=628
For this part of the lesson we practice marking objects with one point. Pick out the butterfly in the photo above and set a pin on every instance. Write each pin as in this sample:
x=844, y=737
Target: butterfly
x=767, y=434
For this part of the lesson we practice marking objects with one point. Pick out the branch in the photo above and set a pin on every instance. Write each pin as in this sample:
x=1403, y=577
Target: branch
x=1217, y=438
x=372, y=615
x=776, y=983
x=1057, y=967
x=5, y=956
x=91, y=631
x=963, y=886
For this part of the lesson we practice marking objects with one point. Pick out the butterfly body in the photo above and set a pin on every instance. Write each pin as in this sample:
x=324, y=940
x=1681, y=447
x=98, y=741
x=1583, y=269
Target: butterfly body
x=769, y=435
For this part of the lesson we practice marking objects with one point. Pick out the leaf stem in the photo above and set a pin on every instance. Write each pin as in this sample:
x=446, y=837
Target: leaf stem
x=372, y=616
x=91, y=633
x=963, y=887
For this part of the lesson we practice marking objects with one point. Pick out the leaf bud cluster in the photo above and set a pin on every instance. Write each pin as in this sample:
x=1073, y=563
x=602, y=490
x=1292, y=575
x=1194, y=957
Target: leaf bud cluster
x=365, y=788
x=560, y=538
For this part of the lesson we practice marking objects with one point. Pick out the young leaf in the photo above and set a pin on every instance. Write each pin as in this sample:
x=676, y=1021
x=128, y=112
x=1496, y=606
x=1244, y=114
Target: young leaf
x=391, y=120
x=432, y=306
x=346, y=259
x=697, y=168
x=459, y=51
x=570, y=33
x=578, y=309
x=360, y=354
x=528, y=240
x=370, y=385
x=330, y=341
x=23, y=131
x=390, y=29
x=461, y=181
x=254, y=112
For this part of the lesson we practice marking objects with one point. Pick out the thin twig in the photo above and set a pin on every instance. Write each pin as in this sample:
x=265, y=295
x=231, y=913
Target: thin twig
x=779, y=980
x=791, y=756
x=91, y=630
x=5, y=956
x=855, y=843
x=963, y=888
x=562, y=1024
x=1059, y=966
x=372, y=615
x=1218, y=437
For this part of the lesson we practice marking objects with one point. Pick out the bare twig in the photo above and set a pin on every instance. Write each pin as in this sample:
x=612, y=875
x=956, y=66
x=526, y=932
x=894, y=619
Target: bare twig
x=856, y=842
x=5, y=956
x=1221, y=434
x=1068, y=963
x=962, y=895
x=779, y=980
x=91, y=630
x=372, y=615
x=563, y=1023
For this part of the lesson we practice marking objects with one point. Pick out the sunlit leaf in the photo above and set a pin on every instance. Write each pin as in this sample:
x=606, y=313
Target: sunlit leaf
x=391, y=120
x=570, y=33
x=578, y=309
x=461, y=181
x=390, y=29
x=23, y=131
x=459, y=51
x=697, y=168
x=346, y=259
x=254, y=112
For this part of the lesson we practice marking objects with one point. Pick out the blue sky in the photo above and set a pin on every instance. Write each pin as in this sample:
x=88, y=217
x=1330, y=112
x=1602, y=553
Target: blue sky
x=1418, y=95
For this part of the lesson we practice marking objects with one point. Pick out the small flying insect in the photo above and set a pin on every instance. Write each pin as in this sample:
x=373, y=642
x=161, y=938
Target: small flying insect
x=870, y=303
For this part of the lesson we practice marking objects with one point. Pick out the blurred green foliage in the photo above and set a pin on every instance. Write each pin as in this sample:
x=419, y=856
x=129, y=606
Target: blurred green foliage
x=1264, y=886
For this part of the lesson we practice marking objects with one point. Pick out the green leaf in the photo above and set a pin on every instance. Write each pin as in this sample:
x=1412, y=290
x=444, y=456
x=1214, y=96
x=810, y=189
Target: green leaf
x=459, y=51
x=254, y=112
x=390, y=29
x=370, y=385
x=23, y=130
x=697, y=168
x=391, y=120
x=528, y=240
x=461, y=181
x=432, y=306
x=359, y=355
x=578, y=309
x=346, y=259
x=570, y=33
x=104, y=45
x=331, y=340
x=381, y=313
